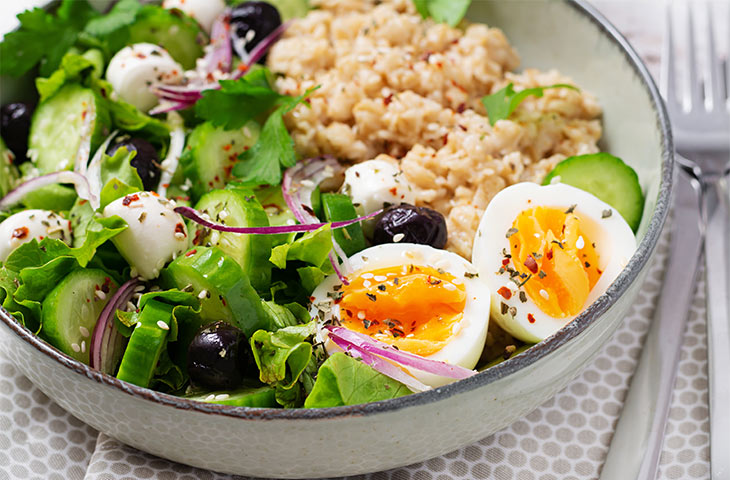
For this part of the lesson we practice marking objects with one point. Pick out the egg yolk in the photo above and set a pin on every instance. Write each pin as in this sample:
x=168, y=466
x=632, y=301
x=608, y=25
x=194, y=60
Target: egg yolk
x=414, y=308
x=556, y=263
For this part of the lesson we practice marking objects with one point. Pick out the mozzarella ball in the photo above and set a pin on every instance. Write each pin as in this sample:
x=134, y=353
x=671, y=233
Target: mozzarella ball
x=204, y=11
x=420, y=299
x=156, y=234
x=376, y=183
x=547, y=253
x=29, y=224
x=137, y=67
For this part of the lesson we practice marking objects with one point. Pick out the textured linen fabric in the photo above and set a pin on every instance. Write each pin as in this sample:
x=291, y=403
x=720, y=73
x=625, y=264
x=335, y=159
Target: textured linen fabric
x=565, y=438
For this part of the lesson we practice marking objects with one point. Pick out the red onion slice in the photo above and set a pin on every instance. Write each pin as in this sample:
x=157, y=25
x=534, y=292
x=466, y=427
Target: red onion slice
x=368, y=344
x=167, y=107
x=105, y=331
x=218, y=57
x=383, y=366
x=197, y=217
x=80, y=182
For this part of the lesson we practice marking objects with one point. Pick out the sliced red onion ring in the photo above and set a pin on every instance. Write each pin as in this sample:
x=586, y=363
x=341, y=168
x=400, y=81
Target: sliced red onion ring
x=93, y=173
x=218, y=57
x=383, y=366
x=88, y=118
x=103, y=339
x=369, y=344
x=336, y=266
x=79, y=181
x=170, y=163
x=197, y=217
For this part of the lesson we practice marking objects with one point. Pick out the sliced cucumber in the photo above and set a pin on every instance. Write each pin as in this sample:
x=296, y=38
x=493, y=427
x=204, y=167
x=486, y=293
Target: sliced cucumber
x=146, y=343
x=226, y=292
x=608, y=178
x=263, y=397
x=72, y=308
x=338, y=207
x=211, y=153
x=174, y=31
x=239, y=207
x=8, y=172
x=57, y=127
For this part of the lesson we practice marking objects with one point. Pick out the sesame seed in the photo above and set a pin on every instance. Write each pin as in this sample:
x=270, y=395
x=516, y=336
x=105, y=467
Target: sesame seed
x=361, y=315
x=84, y=331
x=203, y=293
x=163, y=325
x=544, y=294
x=222, y=396
x=449, y=286
x=398, y=237
x=380, y=278
x=366, y=284
x=223, y=214
x=210, y=397
x=580, y=243
x=133, y=272
x=367, y=275
x=75, y=347
x=179, y=235
x=139, y=288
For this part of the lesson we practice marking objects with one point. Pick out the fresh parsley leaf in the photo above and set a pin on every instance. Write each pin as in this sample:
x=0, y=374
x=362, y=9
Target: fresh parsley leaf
x=238, y=101
x=73, y=68
x=501, y=104
x=43, y=38
x=111, y=29
x=274, y=149
x=443, y=11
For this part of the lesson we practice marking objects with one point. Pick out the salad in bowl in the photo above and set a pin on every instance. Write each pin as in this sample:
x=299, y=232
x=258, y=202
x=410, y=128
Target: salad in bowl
x=285, y=205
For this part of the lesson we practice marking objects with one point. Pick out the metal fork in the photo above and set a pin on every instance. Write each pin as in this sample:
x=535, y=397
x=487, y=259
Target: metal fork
x=700, y=115
x=701, y=121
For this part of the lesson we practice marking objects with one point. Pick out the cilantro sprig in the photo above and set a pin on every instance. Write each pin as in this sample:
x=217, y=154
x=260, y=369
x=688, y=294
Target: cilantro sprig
x=274, y=149
x=443, y=11
x=501, y=104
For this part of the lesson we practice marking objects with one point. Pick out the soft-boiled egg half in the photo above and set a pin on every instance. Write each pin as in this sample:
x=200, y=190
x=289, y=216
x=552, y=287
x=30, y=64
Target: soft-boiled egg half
x=422, y=300
x=546, y=253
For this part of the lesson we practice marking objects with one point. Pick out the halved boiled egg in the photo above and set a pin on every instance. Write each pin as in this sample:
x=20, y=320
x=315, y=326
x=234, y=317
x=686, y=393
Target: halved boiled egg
x=422, y=300
x=547, y=253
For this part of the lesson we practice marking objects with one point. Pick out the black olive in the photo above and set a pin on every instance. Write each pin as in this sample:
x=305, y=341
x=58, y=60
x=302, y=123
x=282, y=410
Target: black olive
x=16, y=127
x=219, y=356
x=408, y=224
x=146, y=161
x=260, y=18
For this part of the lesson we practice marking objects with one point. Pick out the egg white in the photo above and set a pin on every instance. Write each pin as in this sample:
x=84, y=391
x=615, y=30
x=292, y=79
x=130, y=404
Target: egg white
x=614, y=239
x=464, y=348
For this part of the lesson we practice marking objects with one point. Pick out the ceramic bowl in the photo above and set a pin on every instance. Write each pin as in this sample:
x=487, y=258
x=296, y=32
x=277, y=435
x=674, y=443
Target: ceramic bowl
x=567, y=35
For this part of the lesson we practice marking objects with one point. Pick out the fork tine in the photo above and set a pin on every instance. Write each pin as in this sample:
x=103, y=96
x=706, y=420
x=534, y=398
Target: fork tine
x=668, y=83
x=716, y=90
x=693, y=88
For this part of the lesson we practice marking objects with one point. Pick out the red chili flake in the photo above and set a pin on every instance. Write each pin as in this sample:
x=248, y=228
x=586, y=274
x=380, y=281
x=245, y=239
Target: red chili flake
x=227, y=147
x=462, y=127
x=155, y=194
x=166, y=185
x=82, y=202
x=311, y=299
x=107, y=283
x=393, y=191
x=129, y=199
x=217, y=178
x=446, y=138
x=531, y=264
x=599, y=271
x=196, y=237
x=41, y=237
x=530, y=318
x=191, y=252
x=180, y=228
x=549, y=255
x=242, y=67
x=223, y=301
x=227, y=170
x=505, y=262
x=83, y=115
x=461, y=108
x=20, y=233
x=426, y=56
x=245, y=148
x=505, y=292
x=388, y=99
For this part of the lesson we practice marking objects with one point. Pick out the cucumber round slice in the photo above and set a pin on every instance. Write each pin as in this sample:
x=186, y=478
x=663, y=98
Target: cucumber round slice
x=145, y=344
x=56, y=129
x=225, y=291
x=608, y=178
x=211, y=153
x=70, y=311
x=238, y=206
x=174, y=31
x=264, y=397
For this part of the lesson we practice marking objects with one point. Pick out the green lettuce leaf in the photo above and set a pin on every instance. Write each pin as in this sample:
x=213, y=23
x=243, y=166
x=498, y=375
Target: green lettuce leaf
x=343, y=380
x=74, y=68
x=283, y=355
x=443, y=11
x=118, y=176
x=312, y=247
x=501, y=104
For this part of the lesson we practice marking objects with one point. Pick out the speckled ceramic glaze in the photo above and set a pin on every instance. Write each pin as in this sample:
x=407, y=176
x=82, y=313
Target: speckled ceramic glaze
x=566, y=35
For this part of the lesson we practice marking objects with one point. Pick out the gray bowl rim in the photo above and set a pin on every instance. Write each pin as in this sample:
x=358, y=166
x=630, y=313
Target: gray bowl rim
x=502, y=370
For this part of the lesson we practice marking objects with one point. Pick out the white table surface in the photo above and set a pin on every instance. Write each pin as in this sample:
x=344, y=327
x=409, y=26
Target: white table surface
x=566, y=438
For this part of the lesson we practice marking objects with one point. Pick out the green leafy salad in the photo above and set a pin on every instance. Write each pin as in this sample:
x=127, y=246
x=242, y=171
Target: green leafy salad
x=158, y=225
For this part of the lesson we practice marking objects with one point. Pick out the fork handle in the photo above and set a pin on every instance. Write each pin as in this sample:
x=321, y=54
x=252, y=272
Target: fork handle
x=717, y=258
